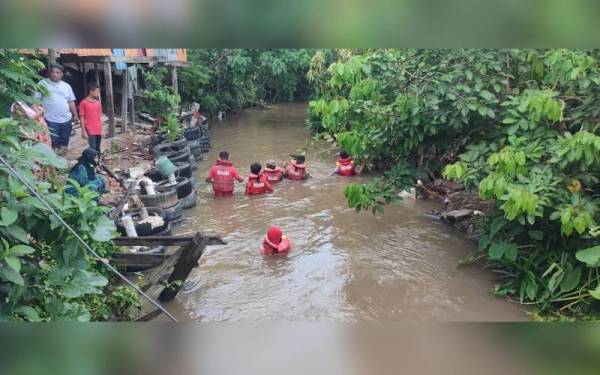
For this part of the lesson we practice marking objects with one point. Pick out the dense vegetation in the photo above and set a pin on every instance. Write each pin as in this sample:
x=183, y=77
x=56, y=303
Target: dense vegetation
x=45, y=274
x=230, y=79
x=516, y=126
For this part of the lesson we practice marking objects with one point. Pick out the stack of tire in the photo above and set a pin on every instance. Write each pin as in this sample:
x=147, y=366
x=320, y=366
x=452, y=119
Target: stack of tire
x=185, y=153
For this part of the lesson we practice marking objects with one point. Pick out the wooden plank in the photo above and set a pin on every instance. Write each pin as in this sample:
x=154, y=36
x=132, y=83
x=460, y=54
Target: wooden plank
x=151, y=315
x=132, y=115
x=82, y=68
x=110, y=104
x=159, y=273
x=121, y=204
x=151, y=241
x=138, y=259
x=185, y=263
x=124, y=102
x=97, y=80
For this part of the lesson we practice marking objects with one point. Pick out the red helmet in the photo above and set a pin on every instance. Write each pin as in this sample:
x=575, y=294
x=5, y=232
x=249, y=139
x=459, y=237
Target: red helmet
x=274, y=234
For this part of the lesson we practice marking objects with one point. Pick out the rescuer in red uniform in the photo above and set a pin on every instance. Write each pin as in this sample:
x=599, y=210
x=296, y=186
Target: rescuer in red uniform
x=257, y=181
x=222, y=175
x=275, y=242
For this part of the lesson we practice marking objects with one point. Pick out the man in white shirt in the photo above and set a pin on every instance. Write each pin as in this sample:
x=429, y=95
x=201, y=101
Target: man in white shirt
x=59, y=108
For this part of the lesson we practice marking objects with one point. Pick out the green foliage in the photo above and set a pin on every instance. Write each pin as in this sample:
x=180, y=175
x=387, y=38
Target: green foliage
x=157, y=98
x=230, y=79
x=172, y=128
x=520, y=126
x=18, y=79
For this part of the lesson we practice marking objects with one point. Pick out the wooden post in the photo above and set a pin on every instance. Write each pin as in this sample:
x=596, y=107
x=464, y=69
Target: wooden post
x=52, y=56
x=82, y=68
x=96, y=75
x=132, y=116
x=174, y=78
x=110, y=104
x=124, y=102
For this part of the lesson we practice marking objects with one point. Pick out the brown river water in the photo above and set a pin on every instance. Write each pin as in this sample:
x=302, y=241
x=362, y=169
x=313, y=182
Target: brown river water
x=392, y=267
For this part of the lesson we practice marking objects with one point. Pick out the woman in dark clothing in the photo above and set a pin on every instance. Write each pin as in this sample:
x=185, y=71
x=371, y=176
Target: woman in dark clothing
x=84, y=172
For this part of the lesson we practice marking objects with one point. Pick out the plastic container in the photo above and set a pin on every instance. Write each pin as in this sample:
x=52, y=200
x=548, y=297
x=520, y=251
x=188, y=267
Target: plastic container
x=165, y=166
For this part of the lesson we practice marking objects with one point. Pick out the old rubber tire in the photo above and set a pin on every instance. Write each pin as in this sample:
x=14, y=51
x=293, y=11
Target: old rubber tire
x=174, y=212
x=169, y=148
x=165, y=232
x=151, y=211
x=164, y=197
x=183, y=156
x=194, y=143
x=191, y=134
x=193, y=162
x=184, y=186
x=144, y=229
x=196, y=151
x=189, y=201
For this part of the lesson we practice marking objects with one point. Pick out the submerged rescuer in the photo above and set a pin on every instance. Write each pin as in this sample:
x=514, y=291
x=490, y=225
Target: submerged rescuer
x=257, y=182
x=222, y=174
x=345, y=165
x=296, y=170
x=275, y=242
x=272, y=172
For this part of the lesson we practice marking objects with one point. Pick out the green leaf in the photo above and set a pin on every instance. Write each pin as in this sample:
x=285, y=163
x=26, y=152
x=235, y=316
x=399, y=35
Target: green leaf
x=84, y=282
x=16, y=232
x=104, y=229
x=496, y=225
x=14, y=263
x=595, y=293
x=497, y=250
x=487, y=95
x=12, y=276
x=8, y=216
x=537, y=235
x=20, y=250
x=571, y=280
x=29, y=312
x=589, y=256
x=511, y=251
x=44, y=154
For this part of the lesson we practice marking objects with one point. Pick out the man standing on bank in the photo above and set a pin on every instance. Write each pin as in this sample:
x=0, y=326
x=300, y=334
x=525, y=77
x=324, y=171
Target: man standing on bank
x=60, y=110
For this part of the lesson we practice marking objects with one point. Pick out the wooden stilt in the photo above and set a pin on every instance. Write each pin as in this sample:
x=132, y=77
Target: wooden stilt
x=97, y=79
x=85, y=89
x=110, y=104
x=124, y=102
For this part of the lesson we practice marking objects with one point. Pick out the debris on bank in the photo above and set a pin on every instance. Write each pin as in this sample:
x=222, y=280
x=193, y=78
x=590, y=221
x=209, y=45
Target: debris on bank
x=461, y=207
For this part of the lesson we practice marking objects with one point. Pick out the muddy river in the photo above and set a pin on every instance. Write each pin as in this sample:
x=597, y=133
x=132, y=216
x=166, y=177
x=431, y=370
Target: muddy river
x=349, y=267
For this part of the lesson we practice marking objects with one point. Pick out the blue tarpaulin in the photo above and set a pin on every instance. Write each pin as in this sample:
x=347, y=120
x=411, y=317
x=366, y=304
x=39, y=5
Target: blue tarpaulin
x=119, y=52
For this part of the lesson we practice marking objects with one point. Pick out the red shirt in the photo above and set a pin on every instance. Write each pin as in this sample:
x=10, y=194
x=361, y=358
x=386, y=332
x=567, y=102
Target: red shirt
x=91, y=113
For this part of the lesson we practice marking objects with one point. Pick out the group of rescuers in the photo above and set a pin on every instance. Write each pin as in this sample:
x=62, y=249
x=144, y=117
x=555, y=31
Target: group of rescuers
x=223, y=175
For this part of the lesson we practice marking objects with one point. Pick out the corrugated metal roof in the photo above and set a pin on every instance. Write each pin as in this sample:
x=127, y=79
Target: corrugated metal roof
x=163, y=54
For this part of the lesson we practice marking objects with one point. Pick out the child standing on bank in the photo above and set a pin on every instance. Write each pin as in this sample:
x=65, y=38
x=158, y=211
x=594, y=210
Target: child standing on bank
x=90, y=113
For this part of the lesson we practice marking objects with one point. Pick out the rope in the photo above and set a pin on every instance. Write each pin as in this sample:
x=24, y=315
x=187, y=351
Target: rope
x=85, y=245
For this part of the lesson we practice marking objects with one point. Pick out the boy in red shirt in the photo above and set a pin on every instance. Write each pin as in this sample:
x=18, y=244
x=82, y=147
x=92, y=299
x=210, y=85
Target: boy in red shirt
x=90, y=113
x=222, y=174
